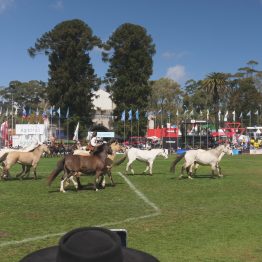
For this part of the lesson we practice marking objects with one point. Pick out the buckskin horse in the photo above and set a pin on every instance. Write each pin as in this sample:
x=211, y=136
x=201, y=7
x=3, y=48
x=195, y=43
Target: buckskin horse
x=26, y=159
x=74, y=165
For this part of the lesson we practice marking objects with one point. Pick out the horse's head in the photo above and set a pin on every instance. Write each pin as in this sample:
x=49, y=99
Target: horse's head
x=227, y=149
x=163, y=153
x=116, y=147
x=104, y=148
x=45, y=148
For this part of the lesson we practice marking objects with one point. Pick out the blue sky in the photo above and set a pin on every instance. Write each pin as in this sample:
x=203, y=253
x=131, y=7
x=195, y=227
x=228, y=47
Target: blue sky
x=192, y=37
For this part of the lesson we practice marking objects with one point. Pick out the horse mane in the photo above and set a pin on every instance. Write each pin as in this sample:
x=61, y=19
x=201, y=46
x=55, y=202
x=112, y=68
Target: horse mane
x=99, y=149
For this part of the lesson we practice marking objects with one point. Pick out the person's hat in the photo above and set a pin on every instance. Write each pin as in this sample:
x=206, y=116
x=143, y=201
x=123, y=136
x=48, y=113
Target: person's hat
x=89, y=244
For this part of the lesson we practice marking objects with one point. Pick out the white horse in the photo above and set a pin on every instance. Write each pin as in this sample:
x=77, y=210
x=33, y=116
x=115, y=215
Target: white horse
x=194, y=158
x=147, y=156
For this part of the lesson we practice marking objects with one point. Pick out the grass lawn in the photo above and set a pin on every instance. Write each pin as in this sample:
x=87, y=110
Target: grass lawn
x=203, y=219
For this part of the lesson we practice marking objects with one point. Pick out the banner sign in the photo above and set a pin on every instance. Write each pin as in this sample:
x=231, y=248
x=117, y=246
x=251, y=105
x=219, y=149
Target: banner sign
x=30, y=129
x=255, y=151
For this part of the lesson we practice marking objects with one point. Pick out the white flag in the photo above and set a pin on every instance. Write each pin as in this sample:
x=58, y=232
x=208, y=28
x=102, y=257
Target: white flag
x=234, y=116
x=219, y=115
x=241, y=115
x=225, y=116
x=76, y=132
x=207, y=114
x=256, y=113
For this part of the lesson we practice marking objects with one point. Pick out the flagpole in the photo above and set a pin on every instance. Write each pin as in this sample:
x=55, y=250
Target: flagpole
x=124, y=129
x=59, y=138
x=207, y=117
x=67, y=131
x=161, y=119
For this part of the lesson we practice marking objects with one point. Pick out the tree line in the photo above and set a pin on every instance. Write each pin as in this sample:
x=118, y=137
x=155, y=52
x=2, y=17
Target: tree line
x=129, y=53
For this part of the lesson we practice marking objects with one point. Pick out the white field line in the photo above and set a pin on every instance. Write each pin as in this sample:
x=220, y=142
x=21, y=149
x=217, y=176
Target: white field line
x=130, y=184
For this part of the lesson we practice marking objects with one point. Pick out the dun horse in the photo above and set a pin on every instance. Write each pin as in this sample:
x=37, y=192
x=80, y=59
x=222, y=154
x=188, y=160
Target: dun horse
x=76, y=164
x=194, y=158
x=26, y=159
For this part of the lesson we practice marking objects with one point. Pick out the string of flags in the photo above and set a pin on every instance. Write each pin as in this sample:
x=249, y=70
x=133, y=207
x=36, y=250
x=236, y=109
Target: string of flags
x=129, y=116
x=52, y=112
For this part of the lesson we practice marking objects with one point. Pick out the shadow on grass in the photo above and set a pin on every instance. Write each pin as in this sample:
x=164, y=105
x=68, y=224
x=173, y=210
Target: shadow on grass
x=87, y=187
x=13, y=178
x=198, y=177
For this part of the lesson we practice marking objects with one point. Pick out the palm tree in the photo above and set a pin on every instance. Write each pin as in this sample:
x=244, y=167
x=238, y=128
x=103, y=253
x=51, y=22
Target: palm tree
x=216, y=84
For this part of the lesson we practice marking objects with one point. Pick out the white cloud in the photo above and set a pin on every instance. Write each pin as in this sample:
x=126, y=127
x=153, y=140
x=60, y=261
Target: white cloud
x=178, y=55
x=59, y=5
x=4, y=4
x=177, y=73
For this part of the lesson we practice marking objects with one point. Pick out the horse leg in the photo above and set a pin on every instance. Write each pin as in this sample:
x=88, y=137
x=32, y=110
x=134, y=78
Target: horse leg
x=109, y=173
x=214, y=168
x=219, y=170
x=63, y=182
x=196, y=166
x=150, y=168
x=71, y=178
x=102, y=181
x=79, y=185
x=182, y=171
x=130, y=161
x=97, y=175
x=6, y=174
x=190, y=171
x=147, y=168
x=23, y=170
x=27, y=172
x=35, y=176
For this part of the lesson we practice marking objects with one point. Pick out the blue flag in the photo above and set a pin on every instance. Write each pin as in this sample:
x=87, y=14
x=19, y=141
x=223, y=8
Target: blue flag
x=123, y=116
x=130, y=114
x=137, y=114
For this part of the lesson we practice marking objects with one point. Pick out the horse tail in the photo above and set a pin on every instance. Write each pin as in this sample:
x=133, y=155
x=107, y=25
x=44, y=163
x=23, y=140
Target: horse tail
x=173, y=165
x=3, y=157
x=56, y=171
x=120, y=161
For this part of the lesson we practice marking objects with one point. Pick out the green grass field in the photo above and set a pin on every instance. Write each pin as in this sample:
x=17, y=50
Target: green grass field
x=203, y=219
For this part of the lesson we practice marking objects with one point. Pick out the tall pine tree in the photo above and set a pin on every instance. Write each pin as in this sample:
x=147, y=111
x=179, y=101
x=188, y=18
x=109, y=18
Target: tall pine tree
x=72, y=78
x=129, y=52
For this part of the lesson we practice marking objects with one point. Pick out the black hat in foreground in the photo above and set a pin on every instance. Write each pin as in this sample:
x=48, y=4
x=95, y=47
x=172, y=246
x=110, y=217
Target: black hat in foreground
x=89, y=244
